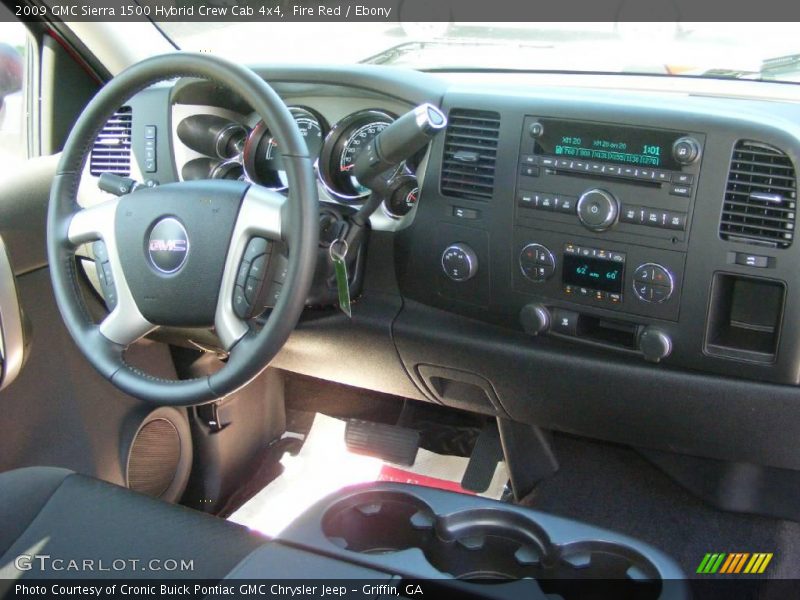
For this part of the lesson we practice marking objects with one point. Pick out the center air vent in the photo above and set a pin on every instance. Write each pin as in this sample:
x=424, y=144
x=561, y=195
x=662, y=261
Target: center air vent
x=761, y=197
x=470, y=153
x=111, y=152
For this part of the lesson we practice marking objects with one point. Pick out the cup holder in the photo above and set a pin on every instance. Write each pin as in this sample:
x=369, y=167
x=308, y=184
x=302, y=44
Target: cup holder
x=488, y=545
x=379, y=523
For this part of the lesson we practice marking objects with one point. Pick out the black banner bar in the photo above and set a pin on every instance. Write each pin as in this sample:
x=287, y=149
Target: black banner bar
x=467, y=11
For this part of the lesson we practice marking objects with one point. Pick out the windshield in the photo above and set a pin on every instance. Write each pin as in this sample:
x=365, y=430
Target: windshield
x=756, y=51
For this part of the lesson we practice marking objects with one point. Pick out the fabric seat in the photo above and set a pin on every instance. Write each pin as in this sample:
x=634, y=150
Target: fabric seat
x=92, y=529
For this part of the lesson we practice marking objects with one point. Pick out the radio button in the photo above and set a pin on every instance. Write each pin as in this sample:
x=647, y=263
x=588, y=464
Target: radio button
x=686, y=150
x=547, y=203
x=547, y=161
x=645, y=174
x=595, y=167
x=680, y=190
x=527, y=200
x=564, y=163
x=685, y=178
x=630, y=214
x=530, y=159
x=653, y=218
x=611, y=170
x=662, y=176
x=676, y=221
x=579, y=165
x=529, y=171
x=629, y=171
x=615, y=298
x=565, y=204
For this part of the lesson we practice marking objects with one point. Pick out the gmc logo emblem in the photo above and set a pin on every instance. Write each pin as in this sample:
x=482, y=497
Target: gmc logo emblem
x=167, y=245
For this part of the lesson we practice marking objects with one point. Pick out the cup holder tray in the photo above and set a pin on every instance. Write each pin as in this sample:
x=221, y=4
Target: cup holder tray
x=426, y=533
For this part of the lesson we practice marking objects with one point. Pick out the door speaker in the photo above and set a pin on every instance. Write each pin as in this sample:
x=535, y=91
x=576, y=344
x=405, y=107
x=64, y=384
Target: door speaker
x=160, y=455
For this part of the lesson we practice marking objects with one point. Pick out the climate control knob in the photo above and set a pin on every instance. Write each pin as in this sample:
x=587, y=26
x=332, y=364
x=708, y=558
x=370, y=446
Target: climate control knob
x=537, y=262
x=597, y=209
x=459, y=261
x=653, y=283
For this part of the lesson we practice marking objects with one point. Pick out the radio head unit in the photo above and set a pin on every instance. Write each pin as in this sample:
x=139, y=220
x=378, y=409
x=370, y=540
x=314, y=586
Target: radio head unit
x=634, y=146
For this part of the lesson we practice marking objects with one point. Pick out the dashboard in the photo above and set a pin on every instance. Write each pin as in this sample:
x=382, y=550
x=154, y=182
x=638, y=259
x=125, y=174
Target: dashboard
x=619, y=262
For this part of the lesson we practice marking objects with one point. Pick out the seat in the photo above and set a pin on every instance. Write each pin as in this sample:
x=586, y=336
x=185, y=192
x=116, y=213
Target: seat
x=73, y=518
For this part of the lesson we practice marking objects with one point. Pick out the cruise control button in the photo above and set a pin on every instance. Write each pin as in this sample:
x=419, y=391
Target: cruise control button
x=273, y=294
x=255, y=247
x=258, y=267
x=251, y=289
x=241, y=275
x=240, y=305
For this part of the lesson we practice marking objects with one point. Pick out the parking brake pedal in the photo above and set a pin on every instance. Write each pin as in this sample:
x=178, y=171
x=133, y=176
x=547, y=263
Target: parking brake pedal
x=391, y=443
x=482, y=464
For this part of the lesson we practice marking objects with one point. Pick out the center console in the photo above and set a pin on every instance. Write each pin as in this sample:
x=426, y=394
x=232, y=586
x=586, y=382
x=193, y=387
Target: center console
x=457, y=544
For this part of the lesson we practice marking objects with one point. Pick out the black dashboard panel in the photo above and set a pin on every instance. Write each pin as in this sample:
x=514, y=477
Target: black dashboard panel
x=616, y=239
x=682, y=258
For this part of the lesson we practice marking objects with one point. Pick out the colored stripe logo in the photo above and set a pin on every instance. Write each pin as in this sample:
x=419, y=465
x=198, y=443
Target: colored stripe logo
x=734, y=563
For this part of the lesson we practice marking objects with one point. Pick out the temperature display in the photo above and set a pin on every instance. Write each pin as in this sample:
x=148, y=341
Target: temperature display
x=594, y=273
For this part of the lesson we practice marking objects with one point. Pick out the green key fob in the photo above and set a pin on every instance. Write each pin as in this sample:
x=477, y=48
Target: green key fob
x=338, y=252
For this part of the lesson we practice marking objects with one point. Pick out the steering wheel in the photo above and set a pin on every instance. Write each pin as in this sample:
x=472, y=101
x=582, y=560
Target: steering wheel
x=174, y=250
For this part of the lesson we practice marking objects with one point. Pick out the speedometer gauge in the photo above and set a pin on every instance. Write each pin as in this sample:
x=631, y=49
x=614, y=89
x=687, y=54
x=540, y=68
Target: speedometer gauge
x=342, y=147
x=262, y=157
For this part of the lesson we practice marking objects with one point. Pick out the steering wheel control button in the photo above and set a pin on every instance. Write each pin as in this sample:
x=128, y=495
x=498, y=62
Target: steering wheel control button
x=104, y=275
x=240, y=304
x=256, y=247
x=459, y=262
x=168, y=246
x=597, y=209
x=653, y=283
x=537, y=263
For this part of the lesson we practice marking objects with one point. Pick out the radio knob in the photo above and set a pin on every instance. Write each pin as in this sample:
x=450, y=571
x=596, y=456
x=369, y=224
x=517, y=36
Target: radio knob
x=597, y=209
x=686, y=150
x=459, y=261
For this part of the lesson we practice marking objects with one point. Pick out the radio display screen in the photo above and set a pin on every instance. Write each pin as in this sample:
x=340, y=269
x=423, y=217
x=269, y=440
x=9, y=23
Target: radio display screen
x=594, y=273
x=602, y=142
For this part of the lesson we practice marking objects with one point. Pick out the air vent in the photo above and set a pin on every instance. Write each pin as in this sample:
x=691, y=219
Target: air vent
x=111, y=152
x=761, y=197
x=470, y=153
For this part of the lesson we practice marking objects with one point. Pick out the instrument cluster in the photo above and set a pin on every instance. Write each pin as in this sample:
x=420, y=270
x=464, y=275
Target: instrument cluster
x=233, y=151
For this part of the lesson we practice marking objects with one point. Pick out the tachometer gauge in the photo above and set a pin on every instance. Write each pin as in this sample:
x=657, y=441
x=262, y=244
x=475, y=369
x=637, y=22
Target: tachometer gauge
x=262, y=158
x=341, y=149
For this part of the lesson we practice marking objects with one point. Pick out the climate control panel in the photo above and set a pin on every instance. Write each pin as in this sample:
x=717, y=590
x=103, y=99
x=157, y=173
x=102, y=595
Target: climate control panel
x=623, y=278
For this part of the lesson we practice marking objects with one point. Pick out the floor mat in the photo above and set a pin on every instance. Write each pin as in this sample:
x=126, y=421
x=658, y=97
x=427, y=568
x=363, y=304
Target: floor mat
x=324, y=465
x=615, y=488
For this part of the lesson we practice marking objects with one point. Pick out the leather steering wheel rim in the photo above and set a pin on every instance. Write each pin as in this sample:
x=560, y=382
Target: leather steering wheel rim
x=296, y=218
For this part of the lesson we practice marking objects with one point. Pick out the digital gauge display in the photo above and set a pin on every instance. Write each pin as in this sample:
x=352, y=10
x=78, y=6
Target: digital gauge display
x=615, y=144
